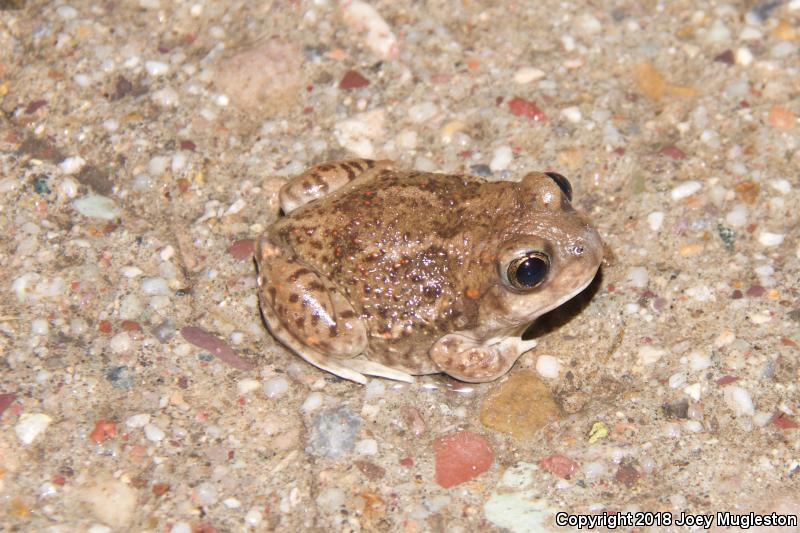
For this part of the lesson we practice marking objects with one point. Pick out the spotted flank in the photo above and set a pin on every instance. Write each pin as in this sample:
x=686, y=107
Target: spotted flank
x=324, y=179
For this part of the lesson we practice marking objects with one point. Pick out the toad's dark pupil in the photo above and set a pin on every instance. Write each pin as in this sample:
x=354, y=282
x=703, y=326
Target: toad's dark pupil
x=563, y=184
x=531, y=271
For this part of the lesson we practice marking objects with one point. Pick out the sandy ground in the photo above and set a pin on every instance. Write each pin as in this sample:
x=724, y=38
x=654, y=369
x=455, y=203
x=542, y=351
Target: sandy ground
x=142, y=144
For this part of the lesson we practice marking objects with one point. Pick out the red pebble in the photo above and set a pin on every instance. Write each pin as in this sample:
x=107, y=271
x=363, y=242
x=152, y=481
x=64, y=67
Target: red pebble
x=526, y=108
x=218, y=348
x=6, y=399
x=130, y=325
x=188, y=145
x=784, y=421
x=407, y=461
x=627, y=475
x=34, y=106
x=353, y=80
x=103, y=430
x=559, y=464
x=104, y=326
x=59, y=480
x=461, y=456
x=673, y=151
x=726, y=380
x=242, y=249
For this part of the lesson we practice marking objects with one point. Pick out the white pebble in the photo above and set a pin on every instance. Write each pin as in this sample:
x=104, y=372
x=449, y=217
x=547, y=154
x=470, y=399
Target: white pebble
x=253, y=517
x=783, y=49
x=527, y=75
x=181, y=527
x=422, y=112
x=165, y=97
x=744, y=56
x=158, y=165
x=650, y=354
x=130, y=271
x=655, y=220
x=724, y=339
x=761, y=419
x=685, y=189
x=375, y=389
x=699, y=361
x=365, y=19
x=71, y=165
x=367, y=447
x=737, y=217
x=700, y=293
x=357, y=133
x=153, y=433
x=179, y=162
x=98, y=528
x=424, y=164
x=638, y=277
x=572, y=114
x=156, y=68
x=719, y=33
x=30, y=425
x=232, y=503
x=9, y=184
x=78, y=326
x=96, y=206
x=67, y=12
x=677, y=380
x=693, y=391
x=407, y=139
x=759, y=318
x=276, y=386
x=247, y=385
x=548, y=367
x=137, y=421
x=206, y=493
x=152, y=286
x=312, y=402
x=770, y=239
x=120, y=343
x=738, y=399
x=40, y=326
x=781, y=185
x=130, y=307
x=502, y=157
x=82, y=80
x=158, y=302
x=692, y=426
x=749, y=33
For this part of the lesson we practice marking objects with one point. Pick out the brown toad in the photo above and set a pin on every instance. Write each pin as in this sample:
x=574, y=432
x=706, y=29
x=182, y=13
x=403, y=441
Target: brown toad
x=391, y=273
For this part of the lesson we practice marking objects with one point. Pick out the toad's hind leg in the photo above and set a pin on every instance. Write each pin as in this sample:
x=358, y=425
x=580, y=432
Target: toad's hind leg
x=323, y=179
x=308, y=313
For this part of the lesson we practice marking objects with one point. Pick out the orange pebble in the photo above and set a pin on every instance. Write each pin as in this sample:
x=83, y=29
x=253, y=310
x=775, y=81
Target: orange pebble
x=781, y=118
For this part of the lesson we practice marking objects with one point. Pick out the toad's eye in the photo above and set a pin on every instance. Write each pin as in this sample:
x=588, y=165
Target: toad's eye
x=528, y=271
x=562, y=182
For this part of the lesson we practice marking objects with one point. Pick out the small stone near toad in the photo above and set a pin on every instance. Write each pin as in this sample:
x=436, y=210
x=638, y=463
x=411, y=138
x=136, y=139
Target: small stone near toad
x=460, y=457
x=685, y=189
x=353, y=80
x=501, y=159
x=481, y=170
x=520, y=406
x=31, y=425
x=96, y=206
x=276, y=386
x=120, y=377
x=739, y=400
x=333, y=432
x=770, y=239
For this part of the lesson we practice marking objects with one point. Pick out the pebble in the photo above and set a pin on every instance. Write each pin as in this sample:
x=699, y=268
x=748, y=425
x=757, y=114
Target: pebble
x=206, y=494
x=572, y=114
x=246, y=386
x=527, y=75
x=366, y=447
x=40, y=326
x=67, y=12
x=357, y=132
x=130, y=307
x=638, y=277
x=743, y=56
x=501, y=159
x=422, y=112
x=353, y=79
x=737, y=217
x=166, y=97
x=685, y=189
x=520, y=406
x=548, y=367
x=110, y=501
x=365, y=19
x=560, y=465
x=781, y=118
x=156, y=68
x=333, y=432
x=120, y=377
x=699, y=361
x=253, y=517
x=407, y=139
x=153, y=433
x=120, y=343
x=655, y=220
x=649, y=354
x=96, y=206
x=276, y=386
x=770, y=239
x=265, y=78
x=137, y=421
x=738, y=399
x=164, y=331
x=331, y=499
x=312, y=402
x=460, y=457
x=72, y=165
x=31, y=425
x=153, y=286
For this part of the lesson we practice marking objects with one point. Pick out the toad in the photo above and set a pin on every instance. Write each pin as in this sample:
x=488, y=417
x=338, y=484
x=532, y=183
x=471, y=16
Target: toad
x=384, y=272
